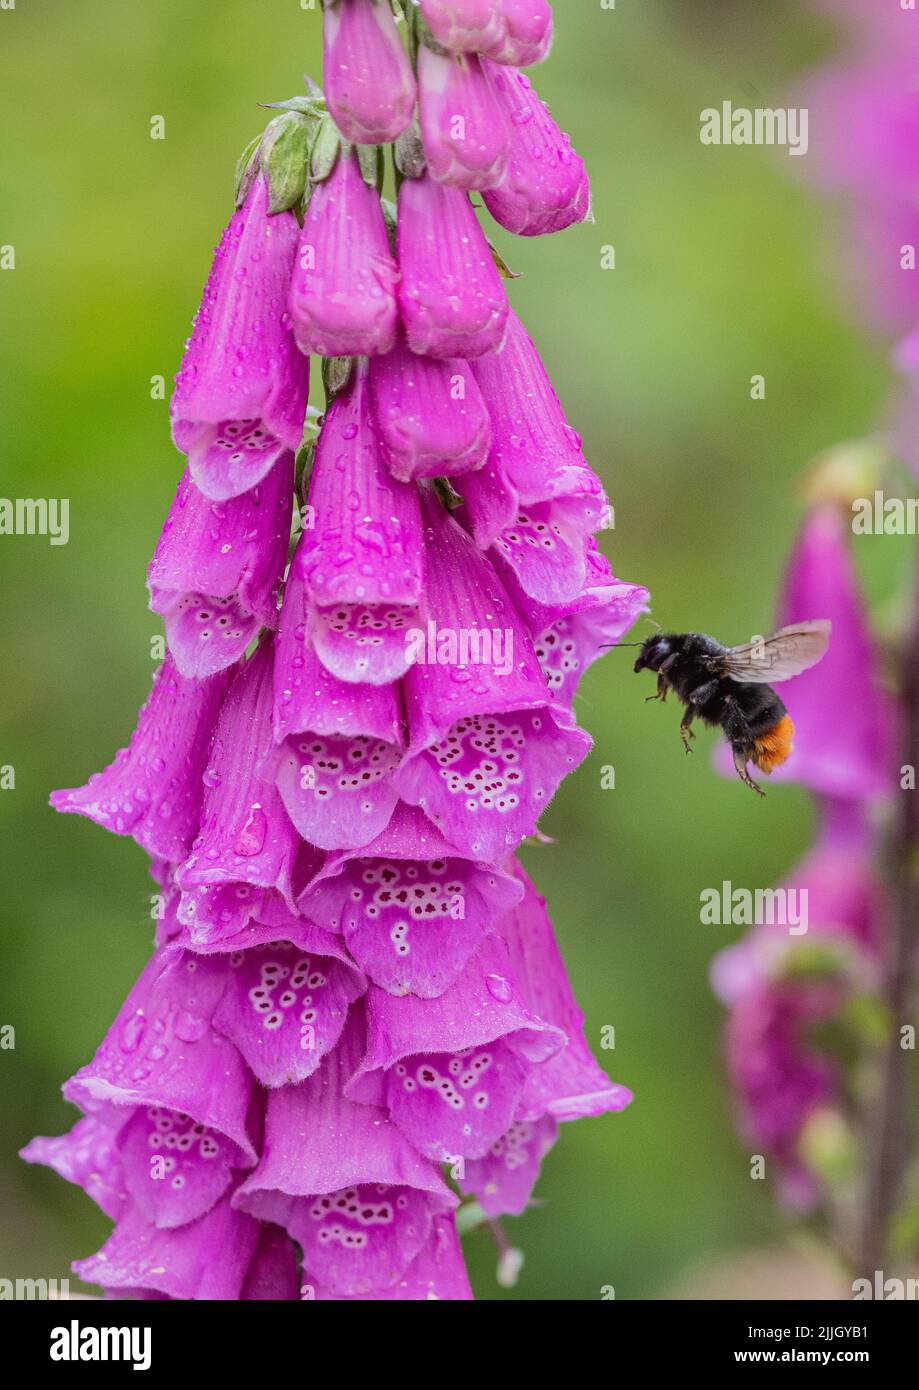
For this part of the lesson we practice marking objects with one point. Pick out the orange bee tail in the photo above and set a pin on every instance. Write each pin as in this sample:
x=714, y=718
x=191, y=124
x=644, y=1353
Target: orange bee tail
x=773, y=747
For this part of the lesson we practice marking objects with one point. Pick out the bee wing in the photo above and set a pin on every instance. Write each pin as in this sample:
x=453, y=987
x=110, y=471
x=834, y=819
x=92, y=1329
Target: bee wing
x=786, y=653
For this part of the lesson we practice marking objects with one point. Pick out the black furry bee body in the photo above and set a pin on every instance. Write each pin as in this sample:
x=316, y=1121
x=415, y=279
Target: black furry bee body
x=728, y=687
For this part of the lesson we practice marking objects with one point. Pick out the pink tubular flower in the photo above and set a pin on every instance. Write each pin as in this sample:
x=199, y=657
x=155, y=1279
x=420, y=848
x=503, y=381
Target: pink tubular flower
x=352, y=982
x=337, y=744
x=207, y=1259
x=778, y=988
x=451, y=296
x=567, y=1085
x=430, y=415
x=842, y=719
x=220, y=1255
x=864, y=146
x=569, y=637
x=527, y=35
x=545, y=188
x=536, y=501
x=217, y=570
x=170, y=1084
x=284, y=1003
x=436, y=1273
x=487, y=745
x=153, y=789
x=369, y=83
x=464, y=26
x=361, y=564
x=240, y=396
x=411, y=907
x=88, y=1157
x=451, y=1072
x=462, y=126
x=243, y=857
x=274, y=1273
x=342, y=294
x=538, y=451
x=357, y=1198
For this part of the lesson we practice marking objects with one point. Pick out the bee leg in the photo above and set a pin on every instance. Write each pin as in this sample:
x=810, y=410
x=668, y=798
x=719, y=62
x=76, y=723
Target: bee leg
x=662, y=688
x=663, y=685
x=695, y=700
x=740, y=762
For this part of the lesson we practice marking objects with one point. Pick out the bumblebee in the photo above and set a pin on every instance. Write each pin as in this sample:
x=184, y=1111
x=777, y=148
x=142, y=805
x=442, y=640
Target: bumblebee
x=730, y=687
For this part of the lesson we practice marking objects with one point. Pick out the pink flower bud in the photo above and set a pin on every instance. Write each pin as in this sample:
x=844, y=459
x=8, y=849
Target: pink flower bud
x=342, y=295
x=527, y=33
x=546, y=187
x=430, y=415
x=369, y=83
x=464, y=26
x=240, y=396
x=452, y=300
x=462, y=126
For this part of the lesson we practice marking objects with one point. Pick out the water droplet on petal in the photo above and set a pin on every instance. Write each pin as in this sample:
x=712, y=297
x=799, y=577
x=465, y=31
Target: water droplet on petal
x=499, y=988
x=251, y=838
x=132, y=1032
x=189, y=1027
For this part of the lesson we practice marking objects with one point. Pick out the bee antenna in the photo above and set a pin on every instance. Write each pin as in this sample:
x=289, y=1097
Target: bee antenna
x=654, y=623
x=611, y=645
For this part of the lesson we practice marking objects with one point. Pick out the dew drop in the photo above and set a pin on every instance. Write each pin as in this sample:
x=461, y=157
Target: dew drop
x=251, y=838
x=499, y=988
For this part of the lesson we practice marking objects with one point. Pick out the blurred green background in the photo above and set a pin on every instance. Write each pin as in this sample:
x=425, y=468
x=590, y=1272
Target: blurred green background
x=721, y=272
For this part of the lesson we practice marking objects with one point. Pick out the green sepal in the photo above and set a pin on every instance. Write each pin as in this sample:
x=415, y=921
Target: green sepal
x=807, y=962
x=287, y=160
x=370, y=158
x=869, y=1018
x=246, y=169
x=313, y=107
x=828, y=1146
x=390, y=217
x=336, y=373
x=448, y=494
x=325, y=152
x=422, y=35
x=502, y=265
x=409, y=153
x=305, y=456
x=469, y=1217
